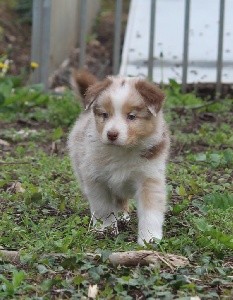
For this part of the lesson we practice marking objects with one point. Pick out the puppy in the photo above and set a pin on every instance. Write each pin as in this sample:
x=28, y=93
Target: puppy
x=118, y=149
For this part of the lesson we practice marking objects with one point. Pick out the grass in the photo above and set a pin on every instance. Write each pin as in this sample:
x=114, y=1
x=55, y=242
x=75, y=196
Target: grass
x=49, y=215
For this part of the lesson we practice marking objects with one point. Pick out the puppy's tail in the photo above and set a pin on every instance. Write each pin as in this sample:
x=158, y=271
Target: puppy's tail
x=80, y=81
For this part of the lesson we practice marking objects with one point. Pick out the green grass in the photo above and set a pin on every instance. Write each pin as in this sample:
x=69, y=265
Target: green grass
x=50, y=217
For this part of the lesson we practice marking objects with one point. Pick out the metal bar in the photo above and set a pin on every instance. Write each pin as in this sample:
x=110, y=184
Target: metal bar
x=186, y=45
x=45, y=41
x=220, y=48
x=151, y=41
x=117, y=37
x=83, y=31
x=36, y=37
x=40, y=49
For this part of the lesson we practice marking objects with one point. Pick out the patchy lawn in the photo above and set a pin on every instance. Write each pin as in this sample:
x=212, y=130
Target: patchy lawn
x=44, y=217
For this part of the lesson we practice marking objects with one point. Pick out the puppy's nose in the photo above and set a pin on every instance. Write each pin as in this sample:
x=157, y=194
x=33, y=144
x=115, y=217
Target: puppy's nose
x=112, y=135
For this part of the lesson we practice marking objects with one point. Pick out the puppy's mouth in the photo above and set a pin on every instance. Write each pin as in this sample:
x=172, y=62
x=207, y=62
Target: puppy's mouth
x=114, y=143
x=119, y=144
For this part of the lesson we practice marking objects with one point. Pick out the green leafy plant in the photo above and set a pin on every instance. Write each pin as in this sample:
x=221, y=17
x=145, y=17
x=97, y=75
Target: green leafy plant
x=11, y=287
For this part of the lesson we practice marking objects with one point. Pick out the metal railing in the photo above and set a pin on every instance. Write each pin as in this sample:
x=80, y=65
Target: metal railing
x=117, y=34
x=153, y=12
x=186, y=44
x=83, y=11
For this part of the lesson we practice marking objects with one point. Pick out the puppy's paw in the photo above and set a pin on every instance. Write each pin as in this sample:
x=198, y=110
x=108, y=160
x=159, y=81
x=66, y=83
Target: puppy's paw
x=102, y=230
x=150, y=227
x=152, y=242
x=147, y=238
x=123, y=217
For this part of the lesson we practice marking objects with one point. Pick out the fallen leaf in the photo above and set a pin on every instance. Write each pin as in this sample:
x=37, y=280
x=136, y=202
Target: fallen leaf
x=16, y=187
x=4, y=143
x=26, y=133
x=92, y=291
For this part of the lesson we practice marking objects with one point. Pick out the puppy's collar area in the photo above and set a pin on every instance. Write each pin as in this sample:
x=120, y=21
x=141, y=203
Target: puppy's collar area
x=154, y=150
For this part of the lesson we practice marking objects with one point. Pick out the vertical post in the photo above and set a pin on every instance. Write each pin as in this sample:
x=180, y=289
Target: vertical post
x=220, y=48
x=35, y=38
x=186, y=45
x=151, y=40
x=45, y=42
x=41, y=39
x=117, y=37
x=83, y=31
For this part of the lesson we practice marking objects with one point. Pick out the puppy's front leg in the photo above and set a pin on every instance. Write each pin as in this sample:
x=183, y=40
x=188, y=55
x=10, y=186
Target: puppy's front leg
x=151, y=208
x=102, y=206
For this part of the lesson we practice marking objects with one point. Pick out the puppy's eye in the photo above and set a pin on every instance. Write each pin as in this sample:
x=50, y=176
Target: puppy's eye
x=131, y=116
x=105, y=115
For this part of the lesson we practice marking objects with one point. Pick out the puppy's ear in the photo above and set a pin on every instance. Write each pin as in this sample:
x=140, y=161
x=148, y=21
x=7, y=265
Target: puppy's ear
x=151, y=94
x=95, y=90
x=80, y=81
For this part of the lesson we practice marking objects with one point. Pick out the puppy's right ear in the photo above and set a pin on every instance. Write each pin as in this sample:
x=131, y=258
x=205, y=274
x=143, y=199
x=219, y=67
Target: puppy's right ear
x=80, y=81
x=94, y=91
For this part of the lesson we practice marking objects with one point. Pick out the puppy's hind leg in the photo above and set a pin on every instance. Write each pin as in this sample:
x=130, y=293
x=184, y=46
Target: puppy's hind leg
x=102, y=206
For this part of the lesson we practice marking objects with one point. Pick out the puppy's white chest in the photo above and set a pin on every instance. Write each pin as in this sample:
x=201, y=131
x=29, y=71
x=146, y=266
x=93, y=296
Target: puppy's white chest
x=121, y=179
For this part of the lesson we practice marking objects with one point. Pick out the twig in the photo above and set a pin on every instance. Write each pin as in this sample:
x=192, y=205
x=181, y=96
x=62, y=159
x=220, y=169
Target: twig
x=15, y=163
x=165, y=261
x=10, y=255
x=128, y=258
x=144, y=257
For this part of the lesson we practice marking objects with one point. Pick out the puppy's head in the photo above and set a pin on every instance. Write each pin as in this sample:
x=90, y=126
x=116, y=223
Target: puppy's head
x=125, y=109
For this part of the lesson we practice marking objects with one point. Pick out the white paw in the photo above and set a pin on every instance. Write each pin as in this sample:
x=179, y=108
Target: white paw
x=108, y=225
x=150, y=227
x=148, y=237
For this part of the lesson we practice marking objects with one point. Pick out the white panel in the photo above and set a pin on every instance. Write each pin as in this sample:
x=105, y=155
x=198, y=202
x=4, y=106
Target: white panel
x=204, y=17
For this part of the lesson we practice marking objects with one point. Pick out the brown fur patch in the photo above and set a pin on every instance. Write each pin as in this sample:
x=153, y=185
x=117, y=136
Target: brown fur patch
x=123, y=204
x=156, y=150
x=139, y=129
x=99, y=121
x=95, y=90
x=140, y=109
x=104, y=106
x=144, y=123
x=153, y=194
x=151, y=94
x=83, y=79
x=107, y=105
x=99, y=108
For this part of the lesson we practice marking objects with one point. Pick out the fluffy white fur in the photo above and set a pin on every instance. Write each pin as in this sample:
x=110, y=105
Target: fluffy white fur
x=108, y=171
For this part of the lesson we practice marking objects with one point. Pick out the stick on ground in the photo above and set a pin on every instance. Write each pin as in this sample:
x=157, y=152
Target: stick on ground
x=143, y=257
x=128, y=258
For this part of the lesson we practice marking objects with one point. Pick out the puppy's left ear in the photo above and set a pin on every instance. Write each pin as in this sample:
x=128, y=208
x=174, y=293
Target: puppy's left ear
x=151, y=94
